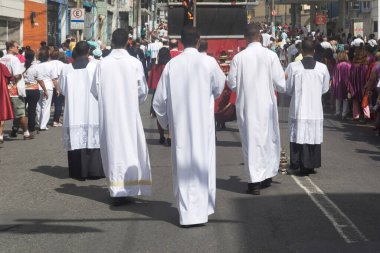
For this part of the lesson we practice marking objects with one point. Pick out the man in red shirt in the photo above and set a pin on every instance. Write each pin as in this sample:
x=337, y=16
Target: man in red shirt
x=173, y=46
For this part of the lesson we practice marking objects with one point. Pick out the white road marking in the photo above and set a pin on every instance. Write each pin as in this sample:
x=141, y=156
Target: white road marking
x=345, y=227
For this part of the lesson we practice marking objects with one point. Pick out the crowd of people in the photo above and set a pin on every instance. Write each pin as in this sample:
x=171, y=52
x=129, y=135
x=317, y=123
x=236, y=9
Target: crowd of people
x=101, y=90
x=353, y=67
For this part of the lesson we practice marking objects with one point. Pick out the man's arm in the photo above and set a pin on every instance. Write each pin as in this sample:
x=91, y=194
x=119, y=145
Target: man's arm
x=219, y=80
x=232, y=74
x=160, y=100
x=142, y=85
x=278, y=75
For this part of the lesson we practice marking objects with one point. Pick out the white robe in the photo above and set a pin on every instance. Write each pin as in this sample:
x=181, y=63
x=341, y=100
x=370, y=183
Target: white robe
x=184, y=100
x=81, y=117
x=306, y=87
x=120, y=85
x=255, y=74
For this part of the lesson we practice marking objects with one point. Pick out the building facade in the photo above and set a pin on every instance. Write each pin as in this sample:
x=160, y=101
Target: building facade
x=11, y=21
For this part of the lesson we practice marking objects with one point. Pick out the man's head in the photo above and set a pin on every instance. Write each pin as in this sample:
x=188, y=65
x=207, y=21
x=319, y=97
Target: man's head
x=43, y=54
x=190, y=36
x=308, y=47
x=173, y=44
x=203, y=46
x=65, y=47
x=12, y=47
x=43, y=43
x=81, y=49
x=252, y=33
x=119, y=38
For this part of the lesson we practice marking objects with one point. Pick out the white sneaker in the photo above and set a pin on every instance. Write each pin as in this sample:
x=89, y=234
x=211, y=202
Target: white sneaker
x=57, y=124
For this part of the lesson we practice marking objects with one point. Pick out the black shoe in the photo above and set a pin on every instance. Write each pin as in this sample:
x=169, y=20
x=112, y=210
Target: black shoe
x=253, y=188
x=312, y=171
x=13, y=134
x=79, y=178
x=169, y=142
x=193, y=225
x=118, y=201
x=162, y=140
x=266, y=183
x=304, y=171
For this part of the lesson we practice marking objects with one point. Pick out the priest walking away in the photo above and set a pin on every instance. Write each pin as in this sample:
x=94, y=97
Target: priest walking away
x=184, y=100
x=120, y=86
x=306, y=82
x=255, y=74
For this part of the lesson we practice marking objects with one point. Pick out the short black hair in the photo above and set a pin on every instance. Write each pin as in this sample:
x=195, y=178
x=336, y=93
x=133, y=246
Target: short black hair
x=81, y=49
x=189, y=36
x=252, y=32
x=203, y=46
x=308, y=46
x=119, y=38
x=10, y=44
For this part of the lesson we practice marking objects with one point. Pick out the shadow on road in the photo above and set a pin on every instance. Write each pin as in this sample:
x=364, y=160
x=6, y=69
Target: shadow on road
x=38, y=227
x=53, y=171
x=156, y=210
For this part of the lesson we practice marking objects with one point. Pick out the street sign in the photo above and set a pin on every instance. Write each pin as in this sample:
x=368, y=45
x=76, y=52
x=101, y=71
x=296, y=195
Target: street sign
x=358, y=28
x=320, y=19
x=77, y=19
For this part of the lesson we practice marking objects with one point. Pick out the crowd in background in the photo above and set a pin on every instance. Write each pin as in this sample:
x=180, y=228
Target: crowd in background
x=353, y=63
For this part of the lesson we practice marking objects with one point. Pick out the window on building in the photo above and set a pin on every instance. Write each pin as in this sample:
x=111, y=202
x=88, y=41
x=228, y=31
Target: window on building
x=375, y=26
x=14, y=30
x=9, y=30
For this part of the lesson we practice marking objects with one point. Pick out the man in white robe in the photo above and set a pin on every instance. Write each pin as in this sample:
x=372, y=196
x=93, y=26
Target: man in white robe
x=184, y=100
x=120, y=85
x=255, y=74
x=306, y=81
x=81, y=117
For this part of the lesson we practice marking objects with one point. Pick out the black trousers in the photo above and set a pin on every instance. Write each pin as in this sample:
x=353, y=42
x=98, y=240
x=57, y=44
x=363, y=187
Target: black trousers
x=305, y=156
x=32, y=97
x=58, y=104
x=85, y=163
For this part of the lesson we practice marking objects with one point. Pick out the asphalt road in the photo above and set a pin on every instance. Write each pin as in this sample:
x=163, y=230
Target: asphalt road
x=42, y=210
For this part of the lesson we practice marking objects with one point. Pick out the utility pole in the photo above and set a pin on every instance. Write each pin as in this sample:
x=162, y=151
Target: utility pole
x=273, y=17
x=195, y=13
x=78, y=31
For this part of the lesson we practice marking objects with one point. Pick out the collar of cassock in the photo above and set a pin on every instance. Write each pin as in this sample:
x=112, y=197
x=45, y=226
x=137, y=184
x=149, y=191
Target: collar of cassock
x=254, y=44
x=119, y=53
x=190, y=49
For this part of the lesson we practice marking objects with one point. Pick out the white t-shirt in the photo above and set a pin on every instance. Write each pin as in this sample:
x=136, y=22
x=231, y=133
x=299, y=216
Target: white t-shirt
x=266, y=39
x=58, y=66
x=13, y=64
x=47, y=72
x=30, y=75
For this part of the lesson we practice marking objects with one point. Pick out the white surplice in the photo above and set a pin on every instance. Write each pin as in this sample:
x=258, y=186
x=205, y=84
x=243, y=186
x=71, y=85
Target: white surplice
x=120, y=85
x=184, y=100
x=81, y=117
x=306, y=87
x=255, y=74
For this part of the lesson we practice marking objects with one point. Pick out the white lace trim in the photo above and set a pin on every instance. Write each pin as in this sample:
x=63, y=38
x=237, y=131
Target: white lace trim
x=306, y=131
x=80, y=137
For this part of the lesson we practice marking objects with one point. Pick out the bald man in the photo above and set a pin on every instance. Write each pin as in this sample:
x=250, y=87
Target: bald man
x=173, y=46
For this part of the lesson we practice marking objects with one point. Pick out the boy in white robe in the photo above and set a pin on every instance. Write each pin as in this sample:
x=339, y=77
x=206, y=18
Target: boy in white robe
x=81, y=117
x=307, y=81
x=120, y=86
x=255, y=74
x=184, y=100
